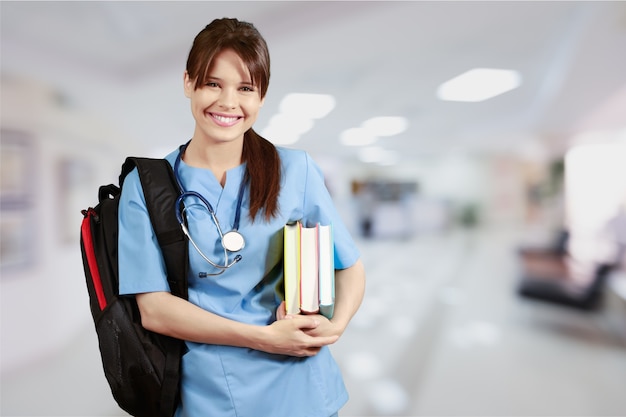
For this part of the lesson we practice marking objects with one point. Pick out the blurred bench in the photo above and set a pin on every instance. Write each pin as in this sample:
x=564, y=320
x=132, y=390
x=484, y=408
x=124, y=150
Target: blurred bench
x=562, y=288
x=551, y=275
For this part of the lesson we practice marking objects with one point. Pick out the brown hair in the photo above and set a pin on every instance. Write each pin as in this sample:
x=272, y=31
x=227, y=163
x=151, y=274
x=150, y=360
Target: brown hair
x=261, y=157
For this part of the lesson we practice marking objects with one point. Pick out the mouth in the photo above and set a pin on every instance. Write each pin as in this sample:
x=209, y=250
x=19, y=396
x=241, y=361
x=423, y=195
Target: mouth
x=225, y=120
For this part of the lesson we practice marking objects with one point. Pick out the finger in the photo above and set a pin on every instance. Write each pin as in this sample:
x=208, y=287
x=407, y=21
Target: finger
x=313, y=351
x=306, y=322
x=317, y=342
x=281, y=311
x=313, y=345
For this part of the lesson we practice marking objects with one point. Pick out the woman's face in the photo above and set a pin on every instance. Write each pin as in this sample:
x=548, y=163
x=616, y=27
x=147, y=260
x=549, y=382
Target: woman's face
x=228, y=104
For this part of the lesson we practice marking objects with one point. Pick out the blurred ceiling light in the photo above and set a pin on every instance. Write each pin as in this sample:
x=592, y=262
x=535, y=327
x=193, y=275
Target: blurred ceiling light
x=296, y=116
x=312, y=106
x=386, y=126
x=388, y=158
x=378, y=155
x=291, y=123
x=370, y=154
x=357, y=136
x=372, y=129
x=279, y=136
x=479, y=84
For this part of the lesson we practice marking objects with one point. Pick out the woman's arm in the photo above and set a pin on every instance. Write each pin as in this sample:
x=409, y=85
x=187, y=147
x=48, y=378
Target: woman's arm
x=349, y=292
x=166, y=314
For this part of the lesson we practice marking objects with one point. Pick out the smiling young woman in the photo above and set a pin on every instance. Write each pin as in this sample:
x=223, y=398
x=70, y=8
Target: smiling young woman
x=245, y=357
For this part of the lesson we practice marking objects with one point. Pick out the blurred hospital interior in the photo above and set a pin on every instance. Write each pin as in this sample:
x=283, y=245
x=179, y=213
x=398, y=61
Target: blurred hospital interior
x=476, y=150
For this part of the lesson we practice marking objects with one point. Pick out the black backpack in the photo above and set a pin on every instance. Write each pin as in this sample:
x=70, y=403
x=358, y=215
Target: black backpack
x=141, y=367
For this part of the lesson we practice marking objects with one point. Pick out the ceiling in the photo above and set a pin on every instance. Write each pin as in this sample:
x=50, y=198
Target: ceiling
x=123, y=61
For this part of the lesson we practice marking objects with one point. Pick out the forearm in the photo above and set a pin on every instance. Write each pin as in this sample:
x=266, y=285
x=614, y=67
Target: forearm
x=166, y=314
x=349, y=292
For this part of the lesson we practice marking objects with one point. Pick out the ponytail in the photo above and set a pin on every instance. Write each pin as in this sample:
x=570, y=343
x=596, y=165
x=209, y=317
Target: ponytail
x=263, y=173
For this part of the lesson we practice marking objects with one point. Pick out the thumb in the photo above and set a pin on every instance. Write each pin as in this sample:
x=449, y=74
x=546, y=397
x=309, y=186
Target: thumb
x=307, y=323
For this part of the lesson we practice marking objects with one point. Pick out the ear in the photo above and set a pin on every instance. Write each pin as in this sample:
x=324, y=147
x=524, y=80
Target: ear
x=188, y=85
x=262, y=102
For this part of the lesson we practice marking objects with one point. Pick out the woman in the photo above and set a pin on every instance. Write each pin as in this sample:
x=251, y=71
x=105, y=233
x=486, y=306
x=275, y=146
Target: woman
x=245, y=357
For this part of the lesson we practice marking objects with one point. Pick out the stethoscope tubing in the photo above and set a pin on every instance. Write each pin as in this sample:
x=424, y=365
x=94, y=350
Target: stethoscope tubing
x=179, y=217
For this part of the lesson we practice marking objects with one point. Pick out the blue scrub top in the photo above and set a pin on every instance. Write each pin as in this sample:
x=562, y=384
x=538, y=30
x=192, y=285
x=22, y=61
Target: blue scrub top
x=225, y=380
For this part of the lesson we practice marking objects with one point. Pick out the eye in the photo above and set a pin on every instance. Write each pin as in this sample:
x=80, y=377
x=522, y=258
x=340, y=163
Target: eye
x=247, y=89
x=211, y=84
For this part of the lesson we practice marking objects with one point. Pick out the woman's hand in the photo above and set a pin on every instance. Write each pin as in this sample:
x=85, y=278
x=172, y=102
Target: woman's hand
x=325, y=327
x=292, y=335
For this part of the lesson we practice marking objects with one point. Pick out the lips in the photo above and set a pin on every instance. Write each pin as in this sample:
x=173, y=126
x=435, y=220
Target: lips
x=225, y=120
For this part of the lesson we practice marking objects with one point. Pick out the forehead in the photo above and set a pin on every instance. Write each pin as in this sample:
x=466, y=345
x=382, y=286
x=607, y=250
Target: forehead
x=228, y=63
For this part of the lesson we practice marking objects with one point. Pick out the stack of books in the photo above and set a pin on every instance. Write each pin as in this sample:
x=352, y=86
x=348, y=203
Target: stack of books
x=309, y=263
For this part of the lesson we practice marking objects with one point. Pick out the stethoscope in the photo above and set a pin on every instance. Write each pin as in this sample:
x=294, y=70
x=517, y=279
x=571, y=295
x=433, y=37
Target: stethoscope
x=232, y=241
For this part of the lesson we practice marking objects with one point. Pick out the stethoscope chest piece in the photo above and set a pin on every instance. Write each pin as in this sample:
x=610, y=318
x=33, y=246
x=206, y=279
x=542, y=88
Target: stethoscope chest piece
x=233, y=241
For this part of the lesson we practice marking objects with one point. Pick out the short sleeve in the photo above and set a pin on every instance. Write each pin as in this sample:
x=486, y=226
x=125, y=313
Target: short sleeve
x=320, y=207
x=141, y=264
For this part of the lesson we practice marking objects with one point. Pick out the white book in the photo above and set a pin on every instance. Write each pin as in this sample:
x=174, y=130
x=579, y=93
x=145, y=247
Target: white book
x=309, y=270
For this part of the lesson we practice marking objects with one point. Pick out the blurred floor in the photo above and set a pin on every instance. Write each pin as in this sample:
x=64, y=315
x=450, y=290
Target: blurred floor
x=440, y=333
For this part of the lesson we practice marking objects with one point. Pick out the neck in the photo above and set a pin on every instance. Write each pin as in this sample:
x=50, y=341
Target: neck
x=217, y=157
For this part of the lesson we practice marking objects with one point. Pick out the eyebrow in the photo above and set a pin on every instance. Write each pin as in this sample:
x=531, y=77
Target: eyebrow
x=212, y=78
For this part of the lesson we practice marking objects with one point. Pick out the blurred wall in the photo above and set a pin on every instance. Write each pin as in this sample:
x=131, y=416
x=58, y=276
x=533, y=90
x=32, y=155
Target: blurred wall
x=54, y=158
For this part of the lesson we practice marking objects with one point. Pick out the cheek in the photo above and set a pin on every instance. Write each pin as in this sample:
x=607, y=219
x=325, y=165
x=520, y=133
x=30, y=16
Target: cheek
x=202, y=97
x=252, y=107
x=196, y=108
x=199, y=104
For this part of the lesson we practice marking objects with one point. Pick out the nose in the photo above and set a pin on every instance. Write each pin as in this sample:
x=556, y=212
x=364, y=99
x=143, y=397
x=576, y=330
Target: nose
x=227, y=98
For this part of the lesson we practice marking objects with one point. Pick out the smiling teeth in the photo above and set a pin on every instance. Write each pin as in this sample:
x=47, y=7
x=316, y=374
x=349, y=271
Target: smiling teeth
x=225, y=119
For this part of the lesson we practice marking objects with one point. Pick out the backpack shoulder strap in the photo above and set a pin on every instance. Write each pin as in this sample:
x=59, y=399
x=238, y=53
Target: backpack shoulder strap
x=161, y=191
